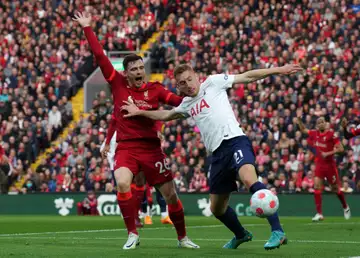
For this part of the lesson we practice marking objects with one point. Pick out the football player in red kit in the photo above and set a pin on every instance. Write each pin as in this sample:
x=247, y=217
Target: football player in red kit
x=326, y=144
x=138, y=147
x=352, y=132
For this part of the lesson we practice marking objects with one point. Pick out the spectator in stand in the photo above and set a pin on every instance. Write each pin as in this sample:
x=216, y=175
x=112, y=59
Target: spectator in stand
x=89, y=205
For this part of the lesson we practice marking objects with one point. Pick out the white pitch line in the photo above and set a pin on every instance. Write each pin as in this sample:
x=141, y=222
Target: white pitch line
x=194, y=239
x=114, y=230
x=331, y=223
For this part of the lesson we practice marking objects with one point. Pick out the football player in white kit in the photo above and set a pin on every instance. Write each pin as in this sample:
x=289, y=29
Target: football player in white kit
x=208, y=104
x=111, y=153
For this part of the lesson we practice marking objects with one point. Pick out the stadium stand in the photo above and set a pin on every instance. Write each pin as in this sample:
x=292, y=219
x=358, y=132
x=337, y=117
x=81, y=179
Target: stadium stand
x=232, y=38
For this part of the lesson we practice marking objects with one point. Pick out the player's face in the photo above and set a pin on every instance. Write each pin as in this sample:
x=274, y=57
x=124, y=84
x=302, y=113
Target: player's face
x=321, y=125
x=135, y=73
x=188, y=83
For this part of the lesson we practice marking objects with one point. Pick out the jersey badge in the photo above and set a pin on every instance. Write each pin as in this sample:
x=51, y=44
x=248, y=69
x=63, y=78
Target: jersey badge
x=146, y=95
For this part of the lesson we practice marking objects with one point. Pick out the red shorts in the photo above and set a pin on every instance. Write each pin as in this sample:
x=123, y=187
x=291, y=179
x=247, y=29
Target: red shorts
x=328, y=172
x=146, y=158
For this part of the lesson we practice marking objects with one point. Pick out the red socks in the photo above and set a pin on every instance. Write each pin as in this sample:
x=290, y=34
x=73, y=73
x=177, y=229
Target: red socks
x=176, y=214
x=127, y=206
x=341, y=197
x=138, y=196
x=318, y=201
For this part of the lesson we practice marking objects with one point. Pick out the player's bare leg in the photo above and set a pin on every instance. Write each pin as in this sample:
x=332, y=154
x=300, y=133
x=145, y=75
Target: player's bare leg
x=124, y=177
x=336, y=189
x=247, y=174
x=222, y=211
x=176, y=213
x=318, y=186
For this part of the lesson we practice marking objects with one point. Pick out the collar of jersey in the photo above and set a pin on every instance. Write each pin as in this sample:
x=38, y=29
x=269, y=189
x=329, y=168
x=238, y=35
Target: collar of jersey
x=142, y=88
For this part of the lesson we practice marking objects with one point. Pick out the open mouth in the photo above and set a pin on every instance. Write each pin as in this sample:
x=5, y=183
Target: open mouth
x=138, y=79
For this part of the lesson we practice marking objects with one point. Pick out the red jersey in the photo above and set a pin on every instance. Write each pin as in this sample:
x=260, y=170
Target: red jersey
x=323, y=142
x=147, y=97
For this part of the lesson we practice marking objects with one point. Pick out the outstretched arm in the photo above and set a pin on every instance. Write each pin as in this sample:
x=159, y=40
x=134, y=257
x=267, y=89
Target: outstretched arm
x=254, y=75
x=163, y=115
x=102, y=60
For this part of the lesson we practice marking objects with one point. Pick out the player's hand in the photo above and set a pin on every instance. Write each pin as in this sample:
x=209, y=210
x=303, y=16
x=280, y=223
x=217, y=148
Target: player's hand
x=290, y=69
x=344, y=123
x=84, y=19
x=105, y=151
x=131, y=108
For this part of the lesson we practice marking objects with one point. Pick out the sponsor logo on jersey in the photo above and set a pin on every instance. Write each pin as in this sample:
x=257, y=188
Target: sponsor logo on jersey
x=130, y=99
x=199, y=107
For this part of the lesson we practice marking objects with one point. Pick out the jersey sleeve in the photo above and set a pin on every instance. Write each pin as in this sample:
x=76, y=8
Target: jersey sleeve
x=111, y=129
x=222, y=81
x=181, y=109
x=102, y=60
x=167, y=97
x=335, y=138
x=312, y=134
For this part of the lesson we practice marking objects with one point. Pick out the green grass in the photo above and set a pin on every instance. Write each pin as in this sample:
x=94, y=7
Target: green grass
x=46, y=236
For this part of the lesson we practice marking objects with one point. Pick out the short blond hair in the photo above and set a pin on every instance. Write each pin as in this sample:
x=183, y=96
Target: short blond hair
x=182, y=68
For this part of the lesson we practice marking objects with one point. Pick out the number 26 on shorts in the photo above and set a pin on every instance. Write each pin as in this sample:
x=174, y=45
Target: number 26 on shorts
x=163, y=166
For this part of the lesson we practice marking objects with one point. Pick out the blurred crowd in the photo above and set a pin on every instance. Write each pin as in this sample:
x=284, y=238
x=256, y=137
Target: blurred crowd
x=44, y=60
x=233, y=37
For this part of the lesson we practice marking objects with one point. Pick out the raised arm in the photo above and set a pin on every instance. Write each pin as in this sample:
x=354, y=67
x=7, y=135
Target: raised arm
x=302, y=127
x=254, y=75
x=299, y=114
x=109, y=72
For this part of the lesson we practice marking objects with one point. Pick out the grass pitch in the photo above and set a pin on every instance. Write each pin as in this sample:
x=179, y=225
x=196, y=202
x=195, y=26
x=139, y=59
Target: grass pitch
x=52, y=236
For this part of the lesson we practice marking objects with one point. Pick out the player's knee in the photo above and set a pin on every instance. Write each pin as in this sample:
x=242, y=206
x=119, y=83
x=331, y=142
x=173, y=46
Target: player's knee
x=171, y=197
x=123, y=187
x=248, y=175
x=140, y=179
x=317, y=183
x=123, y=177
x=217, y=209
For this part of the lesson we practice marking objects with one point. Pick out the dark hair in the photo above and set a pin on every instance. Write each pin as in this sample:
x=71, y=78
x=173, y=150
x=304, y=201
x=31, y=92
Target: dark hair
x=130, y=58
x=182, y=68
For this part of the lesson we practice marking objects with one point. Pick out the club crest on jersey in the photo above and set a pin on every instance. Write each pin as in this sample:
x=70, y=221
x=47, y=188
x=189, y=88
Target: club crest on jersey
x=146, y=95
x=226, y=77
x=130, y=99
x=199, y=107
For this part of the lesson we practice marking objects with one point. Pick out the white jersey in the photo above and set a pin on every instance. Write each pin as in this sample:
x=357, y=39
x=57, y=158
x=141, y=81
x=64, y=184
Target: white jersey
x=212, y=111
x=111, y=153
